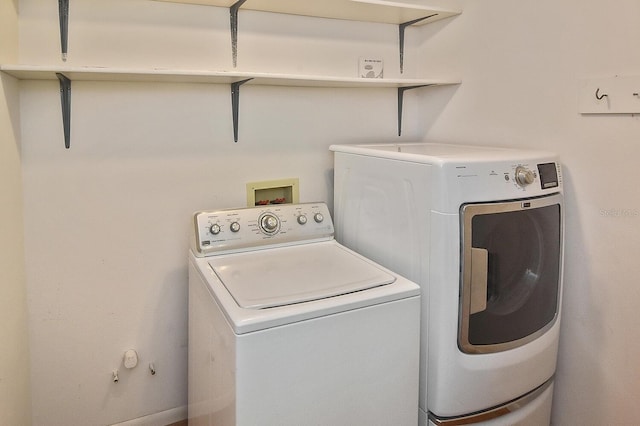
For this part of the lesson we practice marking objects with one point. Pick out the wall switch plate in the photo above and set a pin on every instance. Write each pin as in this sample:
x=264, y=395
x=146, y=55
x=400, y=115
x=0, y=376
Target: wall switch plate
x=371, y=68
x=612, y=95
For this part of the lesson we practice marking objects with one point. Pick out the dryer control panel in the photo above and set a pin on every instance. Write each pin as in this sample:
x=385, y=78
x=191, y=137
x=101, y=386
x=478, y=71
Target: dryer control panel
x=498, y=180
x=234, y=230
x=548, y=173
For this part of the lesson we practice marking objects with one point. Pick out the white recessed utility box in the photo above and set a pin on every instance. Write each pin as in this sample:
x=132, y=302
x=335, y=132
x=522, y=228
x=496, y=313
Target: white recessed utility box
x=281, y=191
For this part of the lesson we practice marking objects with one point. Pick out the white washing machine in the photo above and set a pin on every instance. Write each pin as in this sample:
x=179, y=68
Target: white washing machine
x=288, y=327
x=481, y=231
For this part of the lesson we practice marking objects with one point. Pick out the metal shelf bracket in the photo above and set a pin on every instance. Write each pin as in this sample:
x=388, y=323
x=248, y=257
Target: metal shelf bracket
x=65, y=99
x=401, y=91
x=235, y=105
x=233, y=11
x=401, y=29
x=63, y=14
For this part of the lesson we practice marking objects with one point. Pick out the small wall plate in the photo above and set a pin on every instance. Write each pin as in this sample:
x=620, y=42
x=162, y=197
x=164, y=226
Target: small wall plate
x=371, y=68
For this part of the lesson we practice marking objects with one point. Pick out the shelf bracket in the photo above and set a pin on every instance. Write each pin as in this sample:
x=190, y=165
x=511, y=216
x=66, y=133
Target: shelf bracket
x=65, y=99
x=235, y=105
x=401, y=29
x=233, y=11
x=63, y=14
x=401, y=91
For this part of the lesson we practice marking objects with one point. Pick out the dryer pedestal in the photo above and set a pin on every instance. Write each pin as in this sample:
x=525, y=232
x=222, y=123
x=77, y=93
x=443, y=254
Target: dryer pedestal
x=533, y=409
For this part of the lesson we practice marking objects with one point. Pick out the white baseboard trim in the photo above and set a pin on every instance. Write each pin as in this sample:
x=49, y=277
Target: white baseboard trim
x=163, y=418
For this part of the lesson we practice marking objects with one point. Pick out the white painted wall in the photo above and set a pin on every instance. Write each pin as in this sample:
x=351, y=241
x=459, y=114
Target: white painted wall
x=520, y=65
x=107, y=222
x=14, y=351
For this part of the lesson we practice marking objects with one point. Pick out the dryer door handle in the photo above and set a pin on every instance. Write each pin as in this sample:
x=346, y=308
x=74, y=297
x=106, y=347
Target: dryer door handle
x=479, y=272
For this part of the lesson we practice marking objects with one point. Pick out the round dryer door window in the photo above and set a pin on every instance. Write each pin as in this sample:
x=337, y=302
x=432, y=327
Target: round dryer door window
x=511, y=257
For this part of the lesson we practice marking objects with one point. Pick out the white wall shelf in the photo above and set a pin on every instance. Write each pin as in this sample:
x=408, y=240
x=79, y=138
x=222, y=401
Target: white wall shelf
x=66, y=74
x=378, y=11
x=164, y=75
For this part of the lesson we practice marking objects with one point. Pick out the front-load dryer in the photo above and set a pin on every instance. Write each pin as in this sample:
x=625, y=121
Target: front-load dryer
x=288, y=327
x=481, y=231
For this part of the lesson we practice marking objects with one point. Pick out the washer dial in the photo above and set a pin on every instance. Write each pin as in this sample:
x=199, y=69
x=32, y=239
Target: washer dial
x=214, y=229
x=269, y=223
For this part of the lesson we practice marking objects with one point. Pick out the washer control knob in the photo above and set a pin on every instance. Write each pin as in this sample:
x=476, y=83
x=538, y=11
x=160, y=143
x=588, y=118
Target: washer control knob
x=524, y=176
x=318, y=217
x=214, y=229
x=235, y=227
x=302, y=219
x=269, y=223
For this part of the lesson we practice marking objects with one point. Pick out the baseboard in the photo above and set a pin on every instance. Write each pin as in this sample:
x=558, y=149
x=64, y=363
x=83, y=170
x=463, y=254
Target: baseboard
x=173, y=417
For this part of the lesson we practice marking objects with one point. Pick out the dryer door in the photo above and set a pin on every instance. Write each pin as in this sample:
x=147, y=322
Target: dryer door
x=511, y=272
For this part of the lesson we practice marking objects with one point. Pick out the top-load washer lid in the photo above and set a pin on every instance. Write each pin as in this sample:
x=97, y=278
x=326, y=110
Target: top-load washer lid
x=288, y=275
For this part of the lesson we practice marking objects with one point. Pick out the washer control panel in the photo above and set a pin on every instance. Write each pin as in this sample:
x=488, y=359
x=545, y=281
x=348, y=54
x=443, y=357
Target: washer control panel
x=222, y=231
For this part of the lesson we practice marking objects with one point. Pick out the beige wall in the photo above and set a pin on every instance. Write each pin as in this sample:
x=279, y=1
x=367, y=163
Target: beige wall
x=14, y=355
x=107, y=222
x=143, y=157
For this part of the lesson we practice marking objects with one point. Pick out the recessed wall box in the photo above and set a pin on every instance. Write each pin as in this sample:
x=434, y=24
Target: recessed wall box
x=281, y=191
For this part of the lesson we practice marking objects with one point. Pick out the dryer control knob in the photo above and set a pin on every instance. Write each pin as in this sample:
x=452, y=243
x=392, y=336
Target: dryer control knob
x=318, y=217
x=214, y=229
x=524, y=176
x=235, y=227
x=302, y=219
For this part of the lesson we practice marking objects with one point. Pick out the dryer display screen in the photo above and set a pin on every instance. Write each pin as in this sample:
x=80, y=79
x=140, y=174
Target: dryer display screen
x=548, y=175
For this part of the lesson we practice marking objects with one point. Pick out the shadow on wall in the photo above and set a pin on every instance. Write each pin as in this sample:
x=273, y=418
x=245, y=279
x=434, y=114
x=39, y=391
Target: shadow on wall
x=173, y=298
x=432, y=102
x=578, y=355
x=10, y=89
